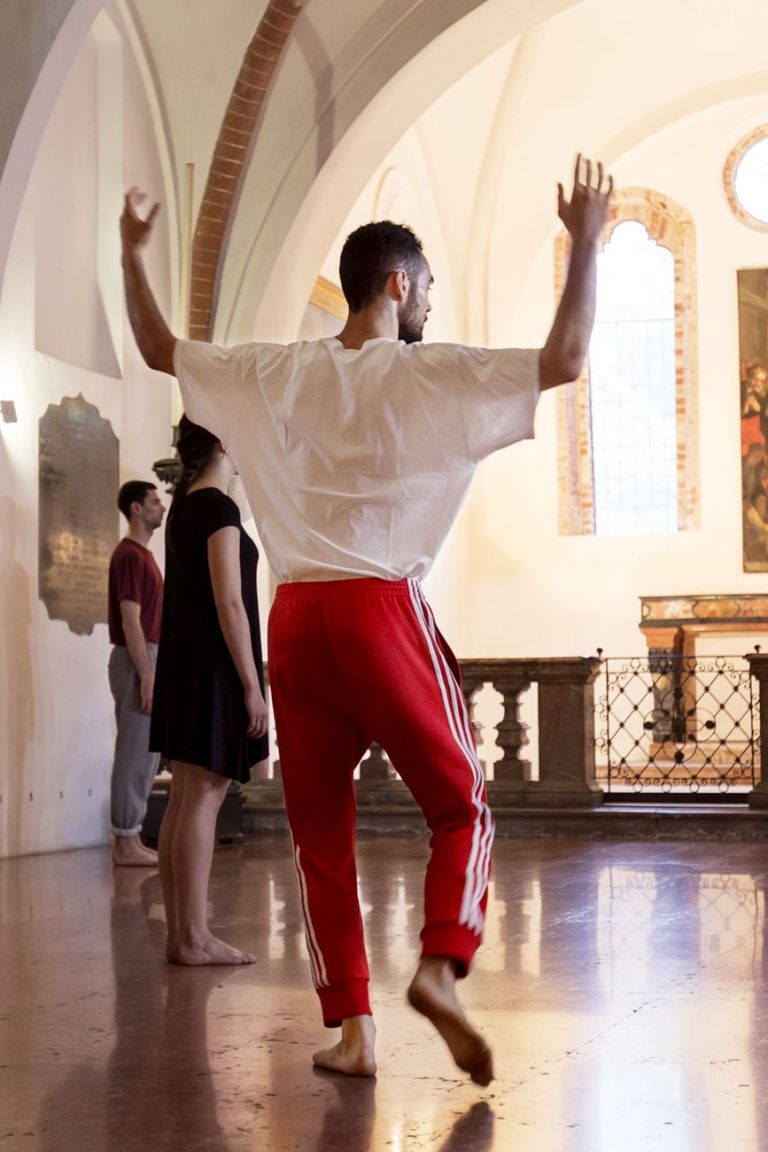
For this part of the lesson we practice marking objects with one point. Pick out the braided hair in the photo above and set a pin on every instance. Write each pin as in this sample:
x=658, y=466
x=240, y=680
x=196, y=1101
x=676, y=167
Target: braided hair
x=195, y=446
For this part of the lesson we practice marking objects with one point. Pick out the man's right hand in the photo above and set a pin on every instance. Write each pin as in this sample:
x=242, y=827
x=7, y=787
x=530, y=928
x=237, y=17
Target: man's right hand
x=146, y=691
x=134, y=232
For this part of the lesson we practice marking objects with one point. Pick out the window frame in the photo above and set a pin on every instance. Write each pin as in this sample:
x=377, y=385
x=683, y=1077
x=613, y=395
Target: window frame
x=670, y=225
x=735, y=156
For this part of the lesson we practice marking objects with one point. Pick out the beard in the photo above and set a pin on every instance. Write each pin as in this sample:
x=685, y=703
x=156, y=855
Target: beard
x=410, y=326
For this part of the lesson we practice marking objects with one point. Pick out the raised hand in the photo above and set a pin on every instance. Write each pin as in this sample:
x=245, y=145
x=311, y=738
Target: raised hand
x=585, y=214
x=134, y=232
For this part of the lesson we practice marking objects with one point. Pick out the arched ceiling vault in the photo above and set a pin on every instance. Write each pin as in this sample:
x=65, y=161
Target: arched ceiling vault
x=340, y=60
x=354, y=105
x=40, y=40
x=351, y=80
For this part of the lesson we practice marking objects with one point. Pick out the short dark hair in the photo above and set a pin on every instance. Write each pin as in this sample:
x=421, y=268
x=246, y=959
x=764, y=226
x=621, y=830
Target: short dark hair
x=133, y=492
x=370, y=254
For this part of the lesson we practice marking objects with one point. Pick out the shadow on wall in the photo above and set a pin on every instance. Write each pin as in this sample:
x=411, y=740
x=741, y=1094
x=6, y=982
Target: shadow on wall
x=320, y=65
x=17, y=698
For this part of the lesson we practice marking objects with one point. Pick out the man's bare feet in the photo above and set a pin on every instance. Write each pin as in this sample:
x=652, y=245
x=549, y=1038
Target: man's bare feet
x=433, y=994
x=208, y=950
x=355, y=1054
x=129, y=852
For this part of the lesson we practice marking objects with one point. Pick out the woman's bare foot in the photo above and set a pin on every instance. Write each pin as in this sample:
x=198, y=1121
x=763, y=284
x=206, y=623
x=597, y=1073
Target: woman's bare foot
x=209, y=950
x=129, y=852
x=355, y=1054
x=433, y=994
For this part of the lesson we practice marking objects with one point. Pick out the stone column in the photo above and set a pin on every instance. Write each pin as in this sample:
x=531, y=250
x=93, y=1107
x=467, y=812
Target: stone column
x=566, y=733
x=758, y=666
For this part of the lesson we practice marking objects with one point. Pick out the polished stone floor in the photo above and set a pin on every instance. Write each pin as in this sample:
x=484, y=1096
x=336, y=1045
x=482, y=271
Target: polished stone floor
x=622, y=987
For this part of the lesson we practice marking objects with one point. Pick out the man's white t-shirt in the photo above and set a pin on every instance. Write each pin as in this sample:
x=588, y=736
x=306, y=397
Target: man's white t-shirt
x=356, y=462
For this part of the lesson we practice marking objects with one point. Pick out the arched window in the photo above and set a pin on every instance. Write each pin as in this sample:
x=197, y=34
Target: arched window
x=627, y=428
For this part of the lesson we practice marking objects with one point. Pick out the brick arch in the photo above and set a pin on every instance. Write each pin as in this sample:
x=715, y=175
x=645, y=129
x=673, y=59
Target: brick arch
x=230, y=156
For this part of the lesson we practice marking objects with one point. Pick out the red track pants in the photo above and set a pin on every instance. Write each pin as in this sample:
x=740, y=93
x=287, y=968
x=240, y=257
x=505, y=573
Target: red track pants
x=351, y=662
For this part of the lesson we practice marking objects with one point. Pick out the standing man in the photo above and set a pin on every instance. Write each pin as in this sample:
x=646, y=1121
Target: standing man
x=356, y=453
x=135, y=608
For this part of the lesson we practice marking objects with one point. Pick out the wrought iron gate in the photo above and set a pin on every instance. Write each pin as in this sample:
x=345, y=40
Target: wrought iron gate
x=677, y=725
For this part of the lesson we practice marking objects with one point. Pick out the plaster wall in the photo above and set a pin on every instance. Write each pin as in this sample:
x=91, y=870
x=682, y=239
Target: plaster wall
x=534, y=592
x=60, y=306
x=507, y=582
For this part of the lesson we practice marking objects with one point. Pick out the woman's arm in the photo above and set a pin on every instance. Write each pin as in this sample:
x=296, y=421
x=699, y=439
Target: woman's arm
x=224, y=566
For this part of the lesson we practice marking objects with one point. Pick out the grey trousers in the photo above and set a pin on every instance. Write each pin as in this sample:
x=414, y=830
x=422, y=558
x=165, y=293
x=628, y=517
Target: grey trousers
x=134, y=767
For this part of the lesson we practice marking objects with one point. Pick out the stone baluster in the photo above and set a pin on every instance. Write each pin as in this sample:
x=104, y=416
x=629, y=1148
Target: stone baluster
x=471, y=685
x=276, y=774
x=510, y=678
x=512, y=733
x=375, y=766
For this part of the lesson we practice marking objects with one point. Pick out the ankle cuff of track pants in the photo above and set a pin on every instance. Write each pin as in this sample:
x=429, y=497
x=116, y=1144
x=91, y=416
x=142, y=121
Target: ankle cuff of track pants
x=340, y=1001
x=452, y=940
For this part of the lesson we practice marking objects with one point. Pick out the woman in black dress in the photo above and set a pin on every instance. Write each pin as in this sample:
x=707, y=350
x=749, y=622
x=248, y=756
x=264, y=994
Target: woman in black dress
x=208, y=715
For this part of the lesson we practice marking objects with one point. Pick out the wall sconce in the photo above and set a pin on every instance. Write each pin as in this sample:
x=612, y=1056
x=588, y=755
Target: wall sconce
x=8, y=412
x=168, y=470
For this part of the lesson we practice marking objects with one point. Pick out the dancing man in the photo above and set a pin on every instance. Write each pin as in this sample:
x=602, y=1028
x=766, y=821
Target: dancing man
x=356, y=453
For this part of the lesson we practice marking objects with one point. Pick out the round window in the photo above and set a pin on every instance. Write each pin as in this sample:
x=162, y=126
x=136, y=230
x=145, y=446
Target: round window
x=746, y=179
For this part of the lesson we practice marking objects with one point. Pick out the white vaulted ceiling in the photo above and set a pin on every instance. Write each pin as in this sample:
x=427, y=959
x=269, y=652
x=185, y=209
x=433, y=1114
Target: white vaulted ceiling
x=600, y=75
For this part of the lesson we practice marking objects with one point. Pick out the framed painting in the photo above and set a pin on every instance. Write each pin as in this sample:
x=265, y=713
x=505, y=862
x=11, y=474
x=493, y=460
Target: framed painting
x=753, y=375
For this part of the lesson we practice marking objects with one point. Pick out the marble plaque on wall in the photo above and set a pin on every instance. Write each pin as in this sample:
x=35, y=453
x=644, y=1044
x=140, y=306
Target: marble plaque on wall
x=78, y=479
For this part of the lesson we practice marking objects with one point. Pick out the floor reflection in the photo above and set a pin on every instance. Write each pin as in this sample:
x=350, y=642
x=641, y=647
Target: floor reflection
x=348, y=1115
x=472, y=1132
x=161, y=1032
x=623, y=987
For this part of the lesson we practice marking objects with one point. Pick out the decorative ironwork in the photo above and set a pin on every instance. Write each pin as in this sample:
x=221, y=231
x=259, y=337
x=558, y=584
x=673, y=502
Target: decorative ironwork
x=678, y=725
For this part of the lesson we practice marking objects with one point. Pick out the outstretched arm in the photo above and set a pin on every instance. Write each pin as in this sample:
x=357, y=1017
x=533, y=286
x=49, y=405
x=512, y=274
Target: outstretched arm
x=584, y=216
x=155, y=340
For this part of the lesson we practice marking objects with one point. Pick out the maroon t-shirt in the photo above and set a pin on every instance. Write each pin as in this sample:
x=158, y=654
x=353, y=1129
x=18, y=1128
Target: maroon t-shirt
x=134, y=575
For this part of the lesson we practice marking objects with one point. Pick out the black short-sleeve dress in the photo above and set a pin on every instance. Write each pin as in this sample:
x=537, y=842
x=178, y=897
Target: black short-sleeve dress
x=198, y=713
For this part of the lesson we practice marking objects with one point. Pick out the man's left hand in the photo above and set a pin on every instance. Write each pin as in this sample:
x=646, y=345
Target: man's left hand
x=585, y=214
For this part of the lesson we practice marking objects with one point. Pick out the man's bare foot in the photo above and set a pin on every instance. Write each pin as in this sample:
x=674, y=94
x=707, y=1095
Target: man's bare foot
x=129, y=852
x=355, y=1054
x=209, y=950
x=433, y=994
